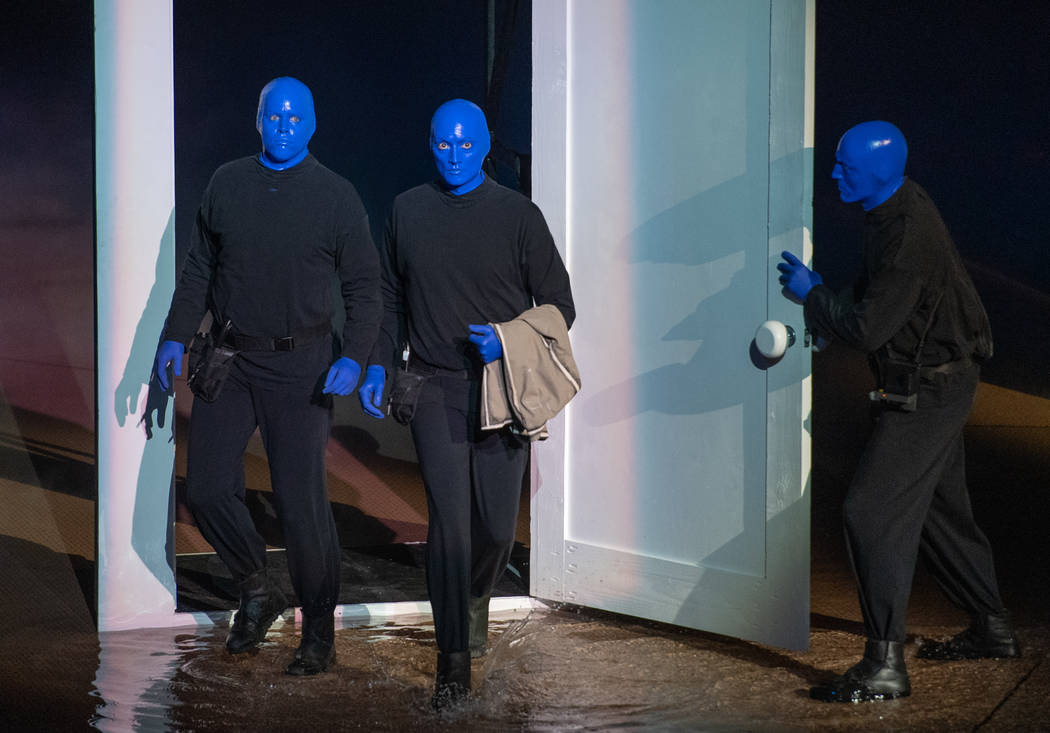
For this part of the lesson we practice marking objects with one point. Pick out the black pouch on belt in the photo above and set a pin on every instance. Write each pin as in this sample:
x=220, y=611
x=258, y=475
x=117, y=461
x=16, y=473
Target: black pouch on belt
x=898, y=383
x=209, y=363
x=898, y=379
x=405, y=391
x=404, y=394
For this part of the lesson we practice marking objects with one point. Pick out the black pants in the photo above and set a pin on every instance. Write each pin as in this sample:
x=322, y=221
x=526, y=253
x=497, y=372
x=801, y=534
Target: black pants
x=473, y=483
x=294, y=421
x=909, y=494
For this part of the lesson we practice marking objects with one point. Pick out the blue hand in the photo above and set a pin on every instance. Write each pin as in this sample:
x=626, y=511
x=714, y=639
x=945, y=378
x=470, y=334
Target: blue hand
x=797, y=278
x=484, y=337
x=371, y=392
x=342, y=377
x=169, y=352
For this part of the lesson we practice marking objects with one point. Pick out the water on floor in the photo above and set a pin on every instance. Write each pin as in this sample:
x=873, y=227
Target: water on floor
x=546, y=670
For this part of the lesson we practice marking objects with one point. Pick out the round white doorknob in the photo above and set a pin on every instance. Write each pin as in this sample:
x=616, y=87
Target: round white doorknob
x=773, y=338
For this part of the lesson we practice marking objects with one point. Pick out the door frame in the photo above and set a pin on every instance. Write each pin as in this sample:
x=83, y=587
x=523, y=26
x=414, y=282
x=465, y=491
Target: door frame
x=134, y=281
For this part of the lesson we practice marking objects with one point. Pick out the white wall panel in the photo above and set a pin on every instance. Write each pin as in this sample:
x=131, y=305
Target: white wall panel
x=135, y=253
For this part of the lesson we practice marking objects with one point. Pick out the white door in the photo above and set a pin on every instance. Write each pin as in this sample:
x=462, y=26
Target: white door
x=672, y=158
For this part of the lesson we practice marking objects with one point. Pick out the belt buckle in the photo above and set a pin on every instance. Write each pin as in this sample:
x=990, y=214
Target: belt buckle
x=285, y=343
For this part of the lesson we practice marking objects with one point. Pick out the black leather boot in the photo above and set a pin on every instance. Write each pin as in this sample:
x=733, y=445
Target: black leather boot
x=988, y=637
x=317, y=647
x=479, y=626
x=452, y=684
x=261, y=604
x=880, y=675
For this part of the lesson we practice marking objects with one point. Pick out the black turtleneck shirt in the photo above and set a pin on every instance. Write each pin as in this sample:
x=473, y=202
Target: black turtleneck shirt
x=910, y=266
x=449, y=261
x=264, y=250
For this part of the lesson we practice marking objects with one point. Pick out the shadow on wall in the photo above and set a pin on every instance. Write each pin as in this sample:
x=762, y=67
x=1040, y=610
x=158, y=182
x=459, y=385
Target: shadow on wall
x=683, y=235
x=153, y=489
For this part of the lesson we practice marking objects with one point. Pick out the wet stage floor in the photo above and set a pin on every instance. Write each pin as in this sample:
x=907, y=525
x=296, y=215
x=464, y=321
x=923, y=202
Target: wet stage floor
x=546, y=671
x=549, y=669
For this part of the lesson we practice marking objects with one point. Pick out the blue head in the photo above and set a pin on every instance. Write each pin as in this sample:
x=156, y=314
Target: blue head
x=459, y=142
x=285, y=122
x=869, y=163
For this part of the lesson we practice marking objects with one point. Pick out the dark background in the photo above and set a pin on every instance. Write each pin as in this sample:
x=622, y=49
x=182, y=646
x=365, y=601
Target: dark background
x=967, y=82
x=377, y=72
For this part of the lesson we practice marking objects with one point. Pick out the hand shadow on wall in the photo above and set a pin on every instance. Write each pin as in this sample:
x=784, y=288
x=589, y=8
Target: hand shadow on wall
x=154, y=494
x=683, y=235
x=676, y=236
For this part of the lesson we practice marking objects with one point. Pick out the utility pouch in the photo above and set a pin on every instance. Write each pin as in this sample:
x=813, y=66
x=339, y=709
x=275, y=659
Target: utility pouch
x=404, y=394
x=405, y=391
x=897, y=380
x=897, y=383
x=209, y=363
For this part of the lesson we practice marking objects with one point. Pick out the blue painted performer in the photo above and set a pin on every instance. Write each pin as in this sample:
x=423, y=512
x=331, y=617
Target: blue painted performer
x=915, y=311
x=461, y=254
x=271, y=233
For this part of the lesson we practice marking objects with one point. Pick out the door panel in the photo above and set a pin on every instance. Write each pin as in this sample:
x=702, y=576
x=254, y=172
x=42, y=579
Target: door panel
x=670, y=159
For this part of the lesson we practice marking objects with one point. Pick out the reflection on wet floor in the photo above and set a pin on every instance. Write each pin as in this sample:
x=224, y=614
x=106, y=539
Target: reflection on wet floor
x=547, y=670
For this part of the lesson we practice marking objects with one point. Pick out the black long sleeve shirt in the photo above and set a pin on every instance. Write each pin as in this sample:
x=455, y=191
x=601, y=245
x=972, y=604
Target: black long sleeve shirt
x=449, y=261
x=911, y=270
x=264, y=250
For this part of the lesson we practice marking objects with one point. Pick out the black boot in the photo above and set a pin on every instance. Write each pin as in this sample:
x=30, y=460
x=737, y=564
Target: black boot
x=880, y=675
x=479, y=626
x=452, y=684
x=988, y=637
x=317, y=648
x=261, y=604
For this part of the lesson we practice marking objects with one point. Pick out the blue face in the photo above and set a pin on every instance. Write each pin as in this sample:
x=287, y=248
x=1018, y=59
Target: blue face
x=855, y=180
x=869, y=163
x=459, y=142
x=285, y=122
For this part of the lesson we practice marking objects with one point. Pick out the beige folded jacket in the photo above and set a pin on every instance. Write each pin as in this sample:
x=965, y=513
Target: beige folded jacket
x=536, y=376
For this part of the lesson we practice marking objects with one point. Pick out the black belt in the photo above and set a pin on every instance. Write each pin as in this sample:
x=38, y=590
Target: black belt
x=418, y=366
x=949, y=367
x=291, y=342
